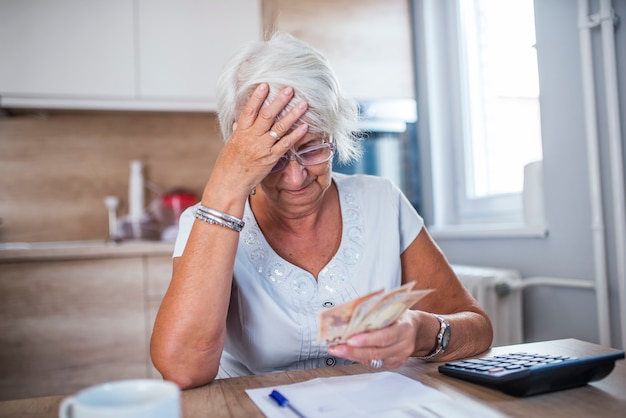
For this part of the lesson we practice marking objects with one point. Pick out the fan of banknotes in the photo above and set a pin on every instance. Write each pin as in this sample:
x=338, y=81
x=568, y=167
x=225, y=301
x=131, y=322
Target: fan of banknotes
x=370, y=312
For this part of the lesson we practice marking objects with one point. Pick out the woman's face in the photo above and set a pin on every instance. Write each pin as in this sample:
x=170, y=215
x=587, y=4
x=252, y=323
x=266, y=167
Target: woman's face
x=297, y=188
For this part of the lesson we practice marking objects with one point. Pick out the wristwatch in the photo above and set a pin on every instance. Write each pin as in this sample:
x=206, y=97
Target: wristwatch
x=443, y=338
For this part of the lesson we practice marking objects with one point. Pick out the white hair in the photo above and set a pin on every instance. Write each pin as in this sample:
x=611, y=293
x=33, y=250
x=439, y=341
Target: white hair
x=285, y=61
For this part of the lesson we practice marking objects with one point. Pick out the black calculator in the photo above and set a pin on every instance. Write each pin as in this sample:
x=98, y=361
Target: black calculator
x=525, y=374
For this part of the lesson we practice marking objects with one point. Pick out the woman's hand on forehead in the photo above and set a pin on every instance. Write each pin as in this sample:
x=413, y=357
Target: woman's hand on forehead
x=259, y=140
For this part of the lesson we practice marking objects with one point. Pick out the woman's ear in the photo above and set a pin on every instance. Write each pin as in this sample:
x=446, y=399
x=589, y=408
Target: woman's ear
x=234, y=126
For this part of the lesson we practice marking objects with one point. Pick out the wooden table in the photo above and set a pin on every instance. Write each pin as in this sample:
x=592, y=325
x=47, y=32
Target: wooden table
x=227, y=397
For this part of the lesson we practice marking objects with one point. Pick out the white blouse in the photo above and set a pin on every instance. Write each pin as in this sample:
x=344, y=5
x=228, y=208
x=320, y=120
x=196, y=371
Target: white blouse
x=274, y=308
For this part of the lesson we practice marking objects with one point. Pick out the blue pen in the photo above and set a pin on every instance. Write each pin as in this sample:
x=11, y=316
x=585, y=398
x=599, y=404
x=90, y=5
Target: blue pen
x=284, y=402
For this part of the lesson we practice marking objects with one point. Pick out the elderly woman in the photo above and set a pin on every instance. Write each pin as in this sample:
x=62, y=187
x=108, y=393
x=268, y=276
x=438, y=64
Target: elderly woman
x=278, y=238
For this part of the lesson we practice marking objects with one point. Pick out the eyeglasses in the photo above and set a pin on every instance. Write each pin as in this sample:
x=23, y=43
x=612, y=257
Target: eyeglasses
x=314, y=155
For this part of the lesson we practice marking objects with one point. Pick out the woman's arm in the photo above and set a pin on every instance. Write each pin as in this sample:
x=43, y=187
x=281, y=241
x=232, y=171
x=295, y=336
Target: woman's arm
x=189, y=331
x=471, y=331
x=415, y=333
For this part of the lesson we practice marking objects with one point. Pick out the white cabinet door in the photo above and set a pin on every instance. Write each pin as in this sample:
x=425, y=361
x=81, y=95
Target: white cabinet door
x=69, y=48
x=184, y=44
x=120, y=54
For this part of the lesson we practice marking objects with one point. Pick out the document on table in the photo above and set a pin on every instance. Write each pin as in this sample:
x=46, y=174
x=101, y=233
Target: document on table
x=382, y=394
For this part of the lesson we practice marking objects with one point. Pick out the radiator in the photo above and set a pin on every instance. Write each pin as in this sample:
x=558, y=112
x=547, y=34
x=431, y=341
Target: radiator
x=499, y=293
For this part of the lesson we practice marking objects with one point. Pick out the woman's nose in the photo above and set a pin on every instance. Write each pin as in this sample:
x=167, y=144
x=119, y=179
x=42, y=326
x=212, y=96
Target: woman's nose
x=294, y=173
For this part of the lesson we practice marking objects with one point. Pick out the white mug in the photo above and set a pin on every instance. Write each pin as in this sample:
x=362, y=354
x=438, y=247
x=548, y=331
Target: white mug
x=137, y=398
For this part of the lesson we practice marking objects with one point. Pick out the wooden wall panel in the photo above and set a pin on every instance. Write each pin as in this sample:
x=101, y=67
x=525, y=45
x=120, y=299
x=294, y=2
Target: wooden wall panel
x=368, y=42
x=56, y=168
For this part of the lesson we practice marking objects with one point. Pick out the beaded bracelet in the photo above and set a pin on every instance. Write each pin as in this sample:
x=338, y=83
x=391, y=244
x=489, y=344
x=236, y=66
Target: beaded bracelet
x=215, y=217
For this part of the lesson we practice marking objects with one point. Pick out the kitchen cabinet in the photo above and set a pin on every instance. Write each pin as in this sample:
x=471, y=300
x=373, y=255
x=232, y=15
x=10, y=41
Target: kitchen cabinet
x=120, y=54
x=158, y=276
x=68, y=48
x=70, y=323
x=367, y=42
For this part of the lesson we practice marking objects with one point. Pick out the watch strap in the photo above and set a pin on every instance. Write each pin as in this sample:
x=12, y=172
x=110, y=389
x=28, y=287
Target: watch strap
x=439, y=348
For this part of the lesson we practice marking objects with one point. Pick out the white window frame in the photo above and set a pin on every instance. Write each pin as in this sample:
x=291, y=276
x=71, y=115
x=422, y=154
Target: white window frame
x=454, y=214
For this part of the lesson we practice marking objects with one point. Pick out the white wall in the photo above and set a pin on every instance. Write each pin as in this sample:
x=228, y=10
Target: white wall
x=567, y=251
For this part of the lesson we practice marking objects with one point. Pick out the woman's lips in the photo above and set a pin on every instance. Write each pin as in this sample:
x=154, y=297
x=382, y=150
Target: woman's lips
x=297, y=191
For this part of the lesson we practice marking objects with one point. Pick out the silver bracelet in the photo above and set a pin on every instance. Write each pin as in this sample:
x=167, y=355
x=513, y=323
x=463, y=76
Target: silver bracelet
x=215, y=217
x=217, y=221
x=219, y=214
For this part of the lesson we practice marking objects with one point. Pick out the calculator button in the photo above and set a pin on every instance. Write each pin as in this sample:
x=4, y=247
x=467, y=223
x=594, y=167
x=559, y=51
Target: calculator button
x=477, y=361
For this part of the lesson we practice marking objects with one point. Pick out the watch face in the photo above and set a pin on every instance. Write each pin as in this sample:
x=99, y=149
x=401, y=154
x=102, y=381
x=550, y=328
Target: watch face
x=445, y=338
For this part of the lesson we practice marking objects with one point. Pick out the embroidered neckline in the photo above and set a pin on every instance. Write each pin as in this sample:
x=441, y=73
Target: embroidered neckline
x=295, y=283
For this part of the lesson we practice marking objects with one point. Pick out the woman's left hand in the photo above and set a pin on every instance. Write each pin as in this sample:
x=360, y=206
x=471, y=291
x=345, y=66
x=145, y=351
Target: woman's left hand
x=393, y=344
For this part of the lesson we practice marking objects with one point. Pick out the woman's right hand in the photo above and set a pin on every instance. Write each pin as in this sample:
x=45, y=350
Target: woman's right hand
x=252, y=151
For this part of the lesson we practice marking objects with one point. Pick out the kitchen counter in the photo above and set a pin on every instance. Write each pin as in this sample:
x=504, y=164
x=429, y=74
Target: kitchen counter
x=65, y=250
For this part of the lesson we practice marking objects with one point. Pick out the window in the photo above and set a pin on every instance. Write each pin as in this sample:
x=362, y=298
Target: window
x=488, y=89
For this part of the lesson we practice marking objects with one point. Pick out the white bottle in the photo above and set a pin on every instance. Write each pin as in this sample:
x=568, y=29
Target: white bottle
x=136, y=211
x=112, y=202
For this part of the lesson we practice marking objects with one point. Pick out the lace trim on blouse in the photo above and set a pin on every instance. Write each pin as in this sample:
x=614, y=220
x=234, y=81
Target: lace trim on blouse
x=332, y=286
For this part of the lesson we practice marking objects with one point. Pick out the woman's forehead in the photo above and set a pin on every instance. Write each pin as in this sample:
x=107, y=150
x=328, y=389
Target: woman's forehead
x=312, y=138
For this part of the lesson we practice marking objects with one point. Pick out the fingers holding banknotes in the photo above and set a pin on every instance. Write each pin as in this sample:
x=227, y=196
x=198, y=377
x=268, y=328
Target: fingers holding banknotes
x=377, y=329
x=393, y=344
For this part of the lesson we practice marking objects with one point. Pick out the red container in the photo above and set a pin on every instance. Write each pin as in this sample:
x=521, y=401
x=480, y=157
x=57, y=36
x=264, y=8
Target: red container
x=174, y=204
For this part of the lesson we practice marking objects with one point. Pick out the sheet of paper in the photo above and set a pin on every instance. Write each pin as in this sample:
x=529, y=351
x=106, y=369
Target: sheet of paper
x=383, y=394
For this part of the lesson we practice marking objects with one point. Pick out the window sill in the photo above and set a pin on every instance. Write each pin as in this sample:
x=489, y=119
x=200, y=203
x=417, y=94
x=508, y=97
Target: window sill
x=487, y=231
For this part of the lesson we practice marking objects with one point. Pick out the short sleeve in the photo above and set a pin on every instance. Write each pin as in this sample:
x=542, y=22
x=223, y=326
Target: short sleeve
x=411, y=223
x=184, y=229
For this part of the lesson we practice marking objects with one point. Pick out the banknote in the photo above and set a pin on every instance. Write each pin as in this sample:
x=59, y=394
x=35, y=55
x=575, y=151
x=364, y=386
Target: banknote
x=375, y=310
